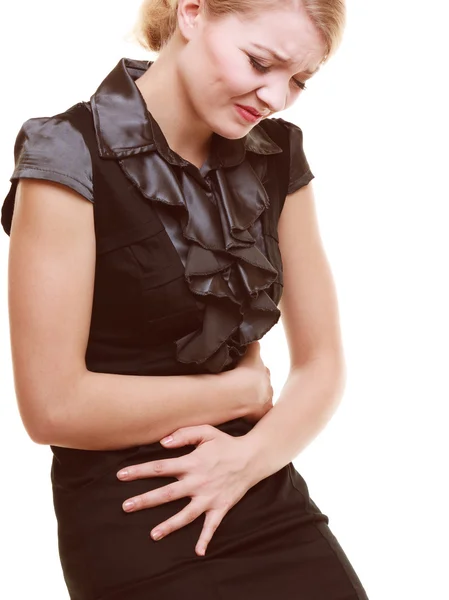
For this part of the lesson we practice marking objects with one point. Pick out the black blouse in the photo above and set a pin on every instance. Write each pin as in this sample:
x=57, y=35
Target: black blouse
x=188, y=268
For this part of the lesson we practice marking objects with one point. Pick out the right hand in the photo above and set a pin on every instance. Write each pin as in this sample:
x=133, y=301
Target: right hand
x=255, y=378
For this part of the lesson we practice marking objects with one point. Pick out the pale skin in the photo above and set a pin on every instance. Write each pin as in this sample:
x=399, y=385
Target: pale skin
x=207, y=69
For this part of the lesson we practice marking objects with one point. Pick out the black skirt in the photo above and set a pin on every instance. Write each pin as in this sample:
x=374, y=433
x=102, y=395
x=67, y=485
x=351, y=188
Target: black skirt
x=275, y=540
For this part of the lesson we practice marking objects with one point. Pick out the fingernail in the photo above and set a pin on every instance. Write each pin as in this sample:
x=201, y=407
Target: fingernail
x=128, y=505
x=201, y=550
x=167, y=440
x=156, y=534
x=123, y=474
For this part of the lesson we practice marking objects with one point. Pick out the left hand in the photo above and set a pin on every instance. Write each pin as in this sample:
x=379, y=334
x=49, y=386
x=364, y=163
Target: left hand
x=215, y=475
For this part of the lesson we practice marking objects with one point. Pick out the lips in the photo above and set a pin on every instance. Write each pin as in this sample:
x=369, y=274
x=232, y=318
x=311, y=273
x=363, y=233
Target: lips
x=250, y=109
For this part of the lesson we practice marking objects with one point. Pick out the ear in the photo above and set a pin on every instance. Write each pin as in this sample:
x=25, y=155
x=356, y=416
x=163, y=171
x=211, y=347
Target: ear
x=188, y=14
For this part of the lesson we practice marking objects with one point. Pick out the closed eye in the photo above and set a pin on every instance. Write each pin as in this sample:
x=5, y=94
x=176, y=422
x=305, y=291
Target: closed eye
x=263, y=69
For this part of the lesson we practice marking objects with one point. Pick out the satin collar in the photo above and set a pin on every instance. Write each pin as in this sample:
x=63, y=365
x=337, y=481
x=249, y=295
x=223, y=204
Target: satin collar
x=125, y=127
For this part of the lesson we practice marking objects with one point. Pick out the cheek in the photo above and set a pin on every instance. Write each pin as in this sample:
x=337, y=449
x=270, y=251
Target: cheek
x=227, y=67
x=217, y=84
x=235, y=78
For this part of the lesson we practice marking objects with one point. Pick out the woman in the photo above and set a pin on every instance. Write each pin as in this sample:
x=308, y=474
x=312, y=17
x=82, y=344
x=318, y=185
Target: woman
x=137, y=313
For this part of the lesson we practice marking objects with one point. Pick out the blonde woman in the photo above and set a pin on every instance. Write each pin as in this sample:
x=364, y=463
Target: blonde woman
x=153, y=231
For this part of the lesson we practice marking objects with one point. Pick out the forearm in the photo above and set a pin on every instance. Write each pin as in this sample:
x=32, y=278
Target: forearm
x=307, y=402
x=108, y=411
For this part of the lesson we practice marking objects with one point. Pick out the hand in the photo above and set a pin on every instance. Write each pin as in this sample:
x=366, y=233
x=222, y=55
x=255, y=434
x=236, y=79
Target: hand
x=252, y=371
x=215, y=475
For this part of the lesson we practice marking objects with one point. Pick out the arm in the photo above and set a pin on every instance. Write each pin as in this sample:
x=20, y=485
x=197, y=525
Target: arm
x=107, y=411
x=51, y=277
x=316, y=380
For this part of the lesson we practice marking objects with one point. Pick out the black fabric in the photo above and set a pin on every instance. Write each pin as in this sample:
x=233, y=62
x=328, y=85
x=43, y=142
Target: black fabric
x=217, y=224
x=50, y=148
x=188, y=272
x=300, y=173
x=136, y=253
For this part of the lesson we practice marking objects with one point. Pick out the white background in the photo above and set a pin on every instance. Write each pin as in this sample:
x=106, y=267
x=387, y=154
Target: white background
x=375, y=133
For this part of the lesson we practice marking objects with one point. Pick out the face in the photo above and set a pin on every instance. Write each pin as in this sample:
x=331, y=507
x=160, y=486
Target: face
x=221, y=64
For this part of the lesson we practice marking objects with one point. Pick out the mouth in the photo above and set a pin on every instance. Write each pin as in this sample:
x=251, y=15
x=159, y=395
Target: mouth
x=250, y=109
x=248, y=113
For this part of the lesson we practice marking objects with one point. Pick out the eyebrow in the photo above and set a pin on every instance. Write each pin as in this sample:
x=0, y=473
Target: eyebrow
x=282, y=59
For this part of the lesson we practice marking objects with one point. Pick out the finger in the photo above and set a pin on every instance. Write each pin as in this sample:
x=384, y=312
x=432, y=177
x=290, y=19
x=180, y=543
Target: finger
x=189, y=436
x=159, y=468
x=167, y=493
x=188, y=514
x=211, y=522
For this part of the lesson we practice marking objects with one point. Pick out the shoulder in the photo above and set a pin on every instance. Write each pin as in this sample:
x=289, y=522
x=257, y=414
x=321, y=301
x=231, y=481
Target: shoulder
x=282, y=127
x=51, y=148
x=300, y=173
x=54, y=148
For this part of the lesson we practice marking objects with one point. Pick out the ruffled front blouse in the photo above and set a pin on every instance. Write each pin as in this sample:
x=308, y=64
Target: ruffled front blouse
x=213, y=216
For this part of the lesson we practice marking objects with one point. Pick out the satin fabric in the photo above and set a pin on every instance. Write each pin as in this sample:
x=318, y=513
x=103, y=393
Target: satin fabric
x=213, y=215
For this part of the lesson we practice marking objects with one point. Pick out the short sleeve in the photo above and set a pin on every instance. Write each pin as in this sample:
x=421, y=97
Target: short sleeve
x=300, y=173
x=50, y=148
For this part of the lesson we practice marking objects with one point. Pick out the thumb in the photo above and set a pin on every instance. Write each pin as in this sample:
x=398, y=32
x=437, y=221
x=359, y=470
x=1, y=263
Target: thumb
x=252, y=350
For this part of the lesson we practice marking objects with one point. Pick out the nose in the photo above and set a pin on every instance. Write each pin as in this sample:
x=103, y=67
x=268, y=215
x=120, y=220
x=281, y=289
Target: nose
x=274, y=96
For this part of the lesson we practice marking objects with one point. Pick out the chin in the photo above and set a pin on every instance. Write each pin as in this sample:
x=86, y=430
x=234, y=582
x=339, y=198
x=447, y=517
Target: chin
x=235, y=134
x=235, y=130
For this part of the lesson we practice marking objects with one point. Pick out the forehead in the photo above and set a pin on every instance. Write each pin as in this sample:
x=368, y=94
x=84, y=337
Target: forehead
x=289, y=32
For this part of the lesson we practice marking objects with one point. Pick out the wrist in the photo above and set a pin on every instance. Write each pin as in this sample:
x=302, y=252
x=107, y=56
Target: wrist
x=253, y=454
x=234, y=390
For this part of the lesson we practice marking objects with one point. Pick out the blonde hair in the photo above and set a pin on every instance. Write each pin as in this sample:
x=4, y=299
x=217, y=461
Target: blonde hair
x=157, y=19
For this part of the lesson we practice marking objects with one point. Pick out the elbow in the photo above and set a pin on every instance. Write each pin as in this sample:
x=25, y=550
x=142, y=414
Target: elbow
x=43, y=409
x=48, y=431
x=337, y=376
x=38, y=437
x=340, y=376
x=330, y=369
x=38, y=426
x=41, y=416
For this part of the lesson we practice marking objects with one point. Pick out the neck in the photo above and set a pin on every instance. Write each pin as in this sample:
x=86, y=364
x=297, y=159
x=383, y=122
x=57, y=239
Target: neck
x=166, y=99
